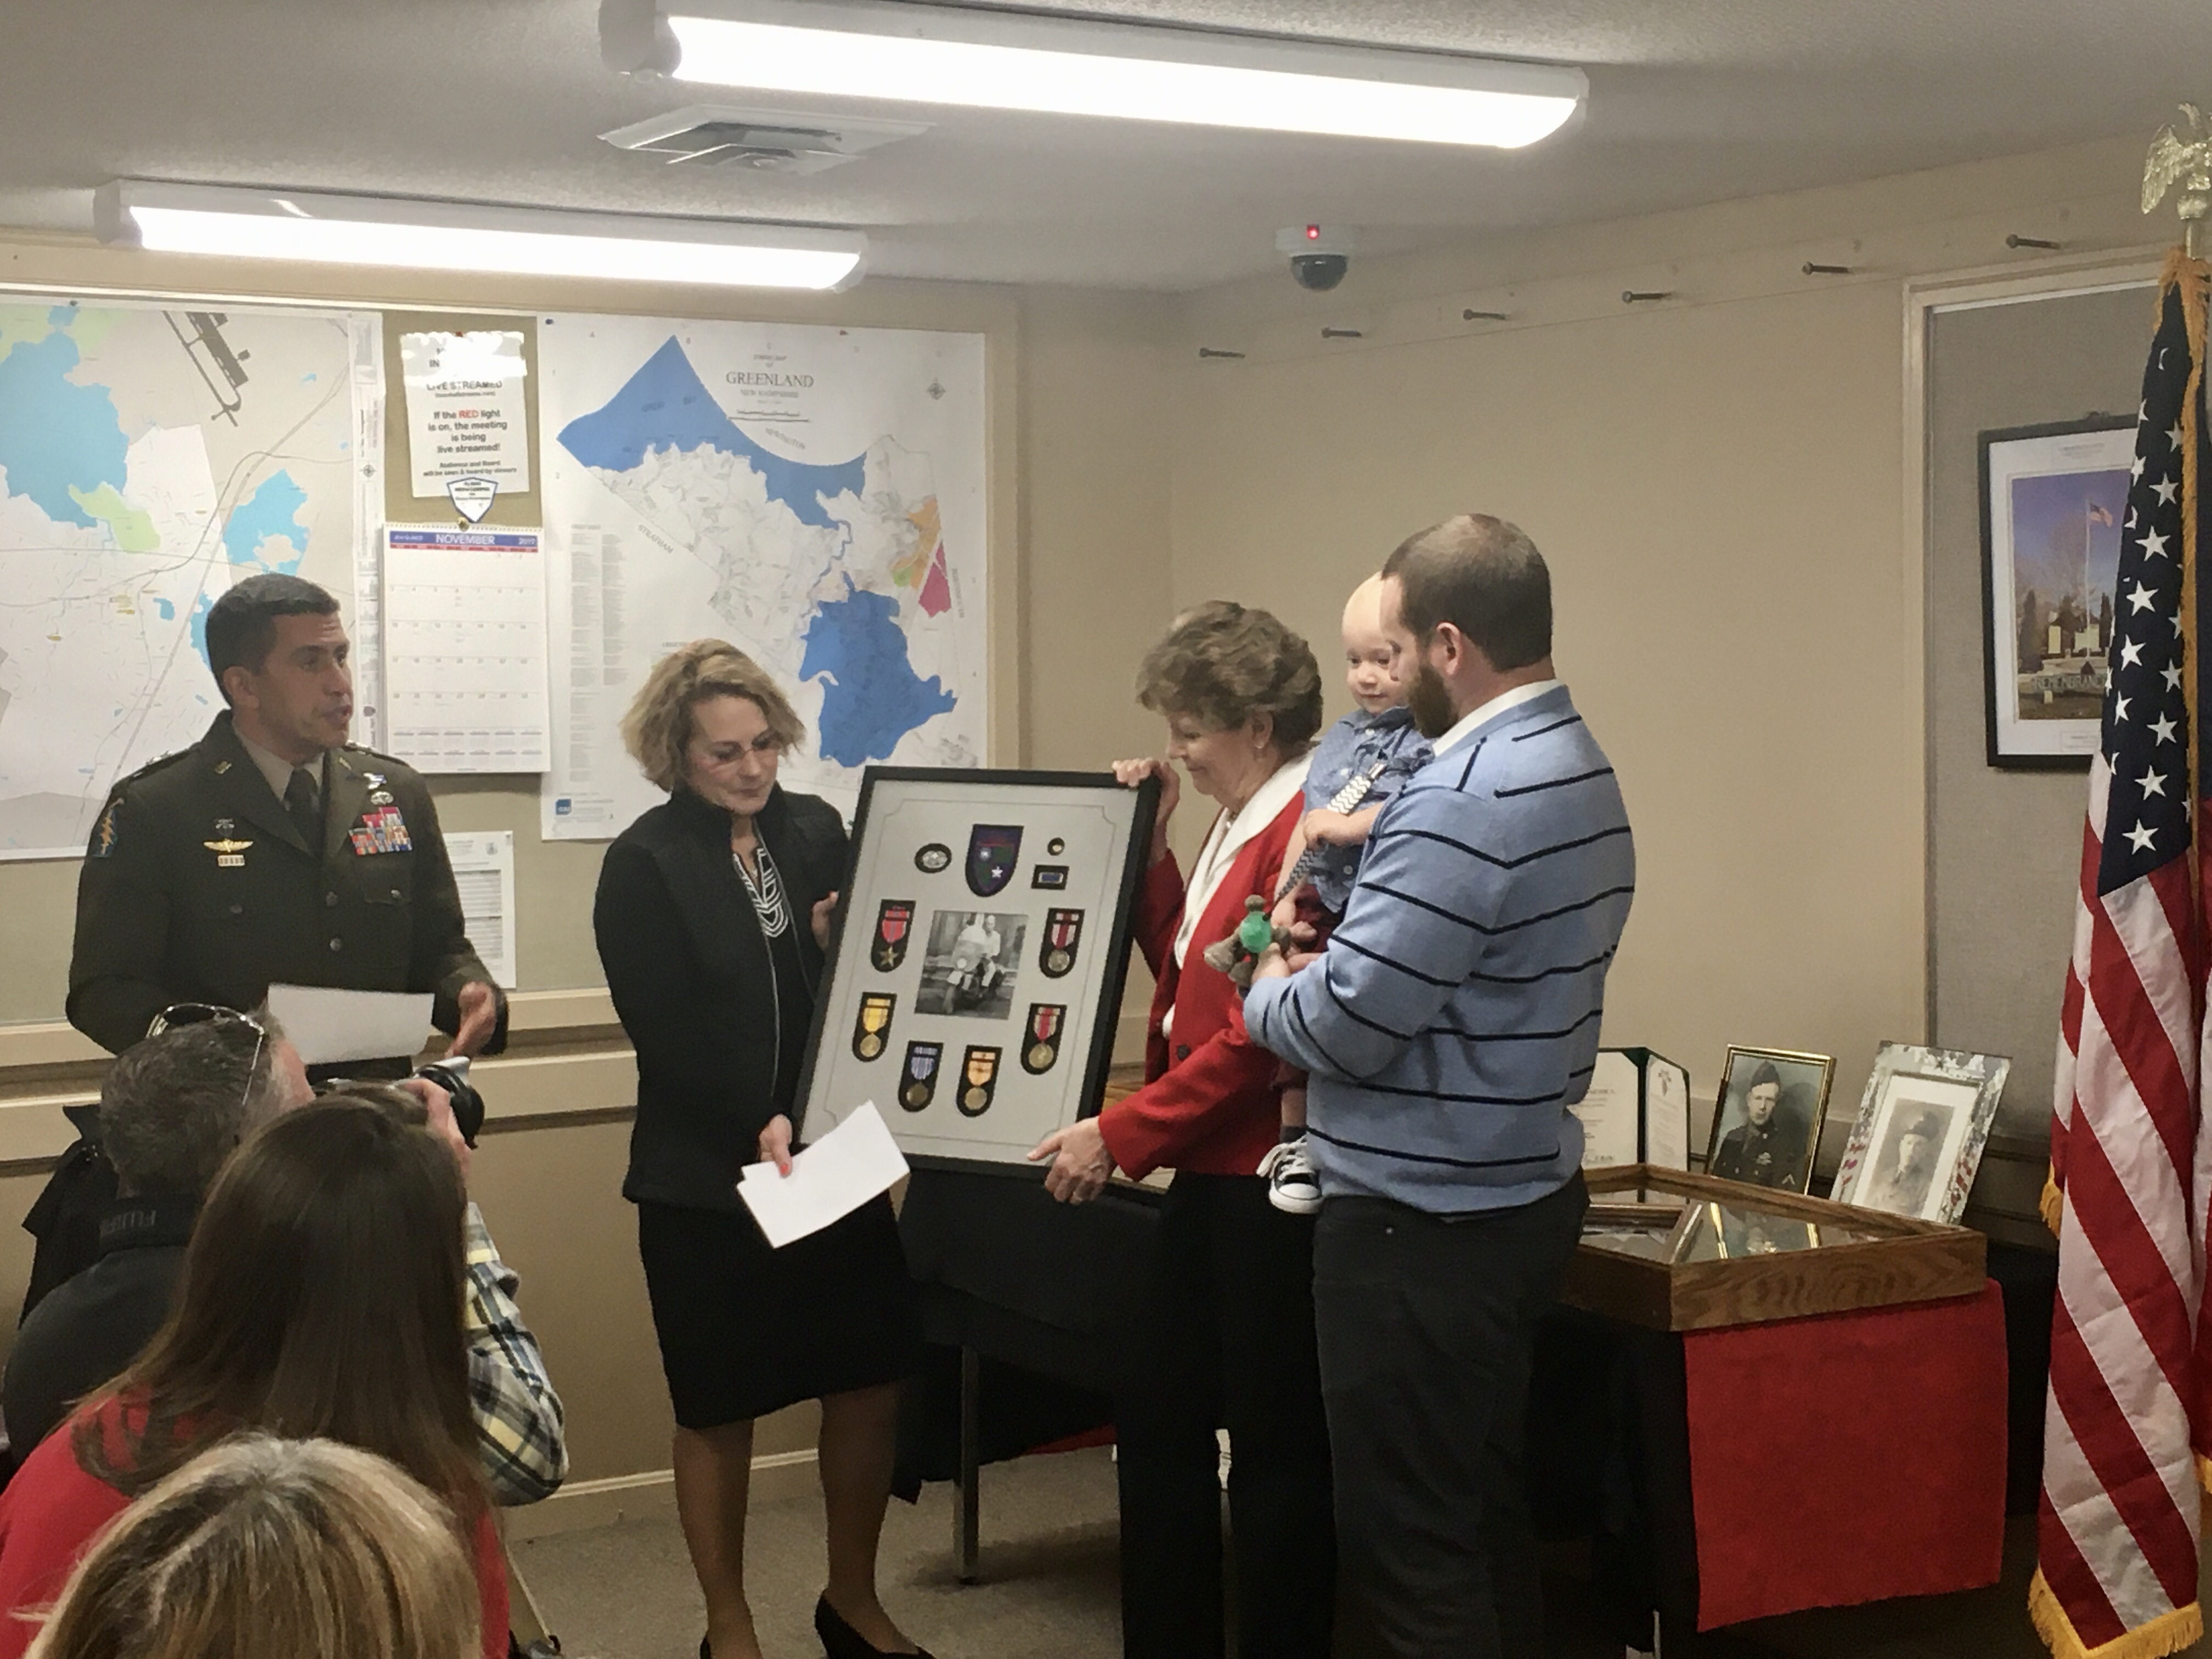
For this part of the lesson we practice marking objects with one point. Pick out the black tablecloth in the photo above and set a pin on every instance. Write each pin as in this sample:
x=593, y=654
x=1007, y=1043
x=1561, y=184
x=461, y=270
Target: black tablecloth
x=1044, y=1291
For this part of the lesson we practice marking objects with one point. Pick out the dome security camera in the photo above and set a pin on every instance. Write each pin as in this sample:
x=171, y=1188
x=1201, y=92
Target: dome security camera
x=1319, y=255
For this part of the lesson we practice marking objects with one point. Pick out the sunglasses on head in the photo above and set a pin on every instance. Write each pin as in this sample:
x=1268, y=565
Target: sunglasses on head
x=178, y=1015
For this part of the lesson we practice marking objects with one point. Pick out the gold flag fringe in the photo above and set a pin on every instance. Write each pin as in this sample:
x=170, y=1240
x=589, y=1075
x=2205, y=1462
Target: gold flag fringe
x=2168, y=1633
x=2052, y=1203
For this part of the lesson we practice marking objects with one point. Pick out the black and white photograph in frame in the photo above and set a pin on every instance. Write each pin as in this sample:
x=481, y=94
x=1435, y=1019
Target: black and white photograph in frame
x=973, y=965
x=2054, y=507
x=1767, y=1117
x=1922, y=1126
x=973, y=1002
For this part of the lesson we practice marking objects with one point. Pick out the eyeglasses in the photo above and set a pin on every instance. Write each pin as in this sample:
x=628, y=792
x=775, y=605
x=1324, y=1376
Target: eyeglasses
x=178, y=1015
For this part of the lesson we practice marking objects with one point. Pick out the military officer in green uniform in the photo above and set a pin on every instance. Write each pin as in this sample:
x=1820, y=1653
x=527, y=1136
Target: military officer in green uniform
x=273, y=851
x=1768, y=1147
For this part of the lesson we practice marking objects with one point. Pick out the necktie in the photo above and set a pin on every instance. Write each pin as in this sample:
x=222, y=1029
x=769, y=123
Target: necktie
x=307, y=811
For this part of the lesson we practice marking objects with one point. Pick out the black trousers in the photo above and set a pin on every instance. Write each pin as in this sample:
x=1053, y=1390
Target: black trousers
x=1225, y=1340
x=1426, y=1327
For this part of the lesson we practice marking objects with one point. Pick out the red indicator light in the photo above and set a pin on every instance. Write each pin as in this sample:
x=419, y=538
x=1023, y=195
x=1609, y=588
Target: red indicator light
x=1313, y=232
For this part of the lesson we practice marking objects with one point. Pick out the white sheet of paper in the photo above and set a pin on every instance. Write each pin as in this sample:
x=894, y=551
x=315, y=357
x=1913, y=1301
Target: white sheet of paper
x=483, y=876
x=828, y=1181
x=328, y=1027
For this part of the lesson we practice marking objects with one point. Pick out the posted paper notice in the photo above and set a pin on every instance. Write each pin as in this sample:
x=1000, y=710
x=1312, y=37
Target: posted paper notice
x=465, y=414
x=483, y=876
x=828, y=1181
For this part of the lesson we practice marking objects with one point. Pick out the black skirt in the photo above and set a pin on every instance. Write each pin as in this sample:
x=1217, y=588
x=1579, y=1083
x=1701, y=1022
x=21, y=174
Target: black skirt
x=746, y=1330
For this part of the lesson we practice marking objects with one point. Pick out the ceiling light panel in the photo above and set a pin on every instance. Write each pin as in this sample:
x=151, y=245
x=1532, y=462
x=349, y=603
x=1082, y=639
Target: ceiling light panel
x=326, y=229
x=931, y=54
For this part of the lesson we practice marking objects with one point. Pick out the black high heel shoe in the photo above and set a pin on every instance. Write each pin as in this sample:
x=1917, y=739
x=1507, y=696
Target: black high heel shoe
x=841, y=1641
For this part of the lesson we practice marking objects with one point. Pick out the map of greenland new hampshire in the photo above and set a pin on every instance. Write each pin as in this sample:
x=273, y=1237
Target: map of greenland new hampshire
x=832, y=563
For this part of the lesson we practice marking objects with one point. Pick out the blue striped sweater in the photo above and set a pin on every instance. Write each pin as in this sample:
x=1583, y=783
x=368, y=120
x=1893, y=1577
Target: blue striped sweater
x=1454, y=1017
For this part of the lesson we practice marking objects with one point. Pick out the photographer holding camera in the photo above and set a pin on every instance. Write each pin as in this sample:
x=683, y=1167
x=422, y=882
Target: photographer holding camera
x=173, y=1111
x=273, y=851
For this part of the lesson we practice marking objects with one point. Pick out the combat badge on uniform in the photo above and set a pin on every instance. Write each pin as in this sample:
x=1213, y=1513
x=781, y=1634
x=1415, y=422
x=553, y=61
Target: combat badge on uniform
x=1062, y=929
x=979, y=1081
x=894, y=927
x=918, y=1087
x=993, y=850
x=1048, y=1023
x=229, y=854
x=870, y=1031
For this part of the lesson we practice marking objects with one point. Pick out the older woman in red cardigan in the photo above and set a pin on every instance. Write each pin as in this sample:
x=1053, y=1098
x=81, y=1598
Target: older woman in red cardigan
x=1226, y=1335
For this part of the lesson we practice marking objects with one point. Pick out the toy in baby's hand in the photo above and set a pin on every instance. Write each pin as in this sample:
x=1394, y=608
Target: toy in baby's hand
x=1236, y=955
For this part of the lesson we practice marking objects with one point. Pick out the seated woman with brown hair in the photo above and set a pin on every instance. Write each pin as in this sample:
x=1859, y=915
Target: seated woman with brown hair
x=273, y=1549
x=321, y=1296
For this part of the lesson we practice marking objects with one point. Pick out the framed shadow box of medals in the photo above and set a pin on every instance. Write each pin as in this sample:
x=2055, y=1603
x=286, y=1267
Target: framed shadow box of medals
x=975, y=963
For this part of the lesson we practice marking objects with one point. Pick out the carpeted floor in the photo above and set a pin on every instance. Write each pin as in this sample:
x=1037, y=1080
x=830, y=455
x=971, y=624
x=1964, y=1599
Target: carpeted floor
x=1049, y=1580
x=1049, y=1586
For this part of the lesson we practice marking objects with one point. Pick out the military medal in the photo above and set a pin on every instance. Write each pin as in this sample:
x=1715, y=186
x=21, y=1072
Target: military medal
x=981, y=1072
x=918, y=1086
x=380, y=830
x=894, y=924
x=993, y=850
x=870, y=1031
x=933, y=859
x=1062, y=928
x=1047, y=1022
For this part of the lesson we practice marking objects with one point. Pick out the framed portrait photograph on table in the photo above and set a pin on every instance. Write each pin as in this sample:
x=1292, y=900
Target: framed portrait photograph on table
x=1767, y=1117
x=2054, y=505
x=1917, y=1139
x=975, y=964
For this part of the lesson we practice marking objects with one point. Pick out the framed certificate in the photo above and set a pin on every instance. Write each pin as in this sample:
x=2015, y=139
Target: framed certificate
x=975, y=963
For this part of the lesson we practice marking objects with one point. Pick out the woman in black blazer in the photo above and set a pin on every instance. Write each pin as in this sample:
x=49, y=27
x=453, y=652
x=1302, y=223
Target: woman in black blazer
x=712, y=916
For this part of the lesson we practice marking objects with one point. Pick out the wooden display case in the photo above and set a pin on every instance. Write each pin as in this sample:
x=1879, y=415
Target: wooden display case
x=1676, y=1251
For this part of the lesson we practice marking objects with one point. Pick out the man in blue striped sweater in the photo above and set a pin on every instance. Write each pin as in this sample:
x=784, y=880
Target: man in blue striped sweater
x=1448, y=1027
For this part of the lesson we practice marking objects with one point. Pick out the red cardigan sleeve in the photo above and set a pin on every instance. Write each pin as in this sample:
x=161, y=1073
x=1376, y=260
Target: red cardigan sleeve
x=1159, y=913
x=1223, y=1084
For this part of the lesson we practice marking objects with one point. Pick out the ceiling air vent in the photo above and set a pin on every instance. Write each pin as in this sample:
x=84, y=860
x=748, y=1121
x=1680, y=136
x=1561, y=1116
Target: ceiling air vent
x=768, y=141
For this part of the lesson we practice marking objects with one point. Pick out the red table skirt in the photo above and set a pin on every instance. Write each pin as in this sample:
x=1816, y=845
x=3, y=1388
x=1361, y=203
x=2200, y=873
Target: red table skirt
x=1847, y=1458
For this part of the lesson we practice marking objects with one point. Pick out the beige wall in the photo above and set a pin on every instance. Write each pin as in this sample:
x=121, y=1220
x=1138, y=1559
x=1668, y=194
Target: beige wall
x=1719, y=481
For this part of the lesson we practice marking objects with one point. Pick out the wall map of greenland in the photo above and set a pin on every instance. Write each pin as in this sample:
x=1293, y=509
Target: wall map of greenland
x=150, y=456
x=814, y=496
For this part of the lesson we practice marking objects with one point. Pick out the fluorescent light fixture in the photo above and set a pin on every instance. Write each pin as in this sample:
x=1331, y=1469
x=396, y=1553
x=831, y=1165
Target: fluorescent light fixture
x=370, y=230
x=931, y=54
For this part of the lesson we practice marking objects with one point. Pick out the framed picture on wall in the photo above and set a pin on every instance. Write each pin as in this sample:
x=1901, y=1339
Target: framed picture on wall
x=1767, y=1117
x=2054, y=505
x=974, y=979
x=1919, y=1137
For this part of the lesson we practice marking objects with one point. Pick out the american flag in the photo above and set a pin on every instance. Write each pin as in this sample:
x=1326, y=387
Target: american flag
x=2117, y=1533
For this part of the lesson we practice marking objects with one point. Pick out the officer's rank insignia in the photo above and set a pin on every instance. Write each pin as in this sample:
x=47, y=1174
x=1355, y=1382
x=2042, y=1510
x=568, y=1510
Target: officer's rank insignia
x=979, y=1081
x=228, y=854
x=1048, y=1022
x=103, y=833
x=994, y=849
x=918, y=1087
x=894, y=927
x=1062, y=929
x=872, y=1029
x=933, y=857
x=381, y=830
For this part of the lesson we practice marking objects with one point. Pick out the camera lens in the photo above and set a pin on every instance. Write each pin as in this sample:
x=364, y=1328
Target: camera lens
x=1319, y=271
x=453, y=1076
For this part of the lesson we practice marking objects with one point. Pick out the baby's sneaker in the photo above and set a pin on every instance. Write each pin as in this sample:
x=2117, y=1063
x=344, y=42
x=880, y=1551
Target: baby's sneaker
x=1291, y=1184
